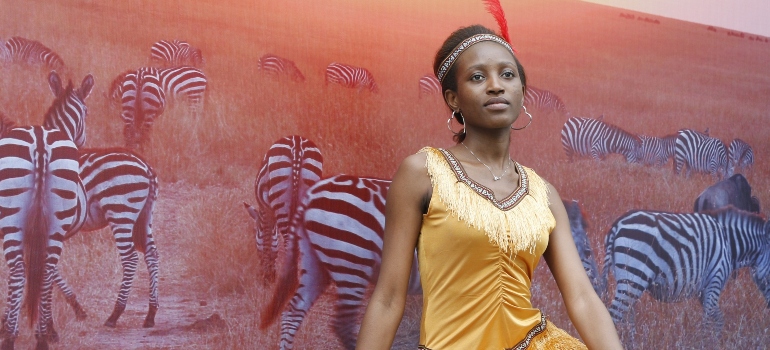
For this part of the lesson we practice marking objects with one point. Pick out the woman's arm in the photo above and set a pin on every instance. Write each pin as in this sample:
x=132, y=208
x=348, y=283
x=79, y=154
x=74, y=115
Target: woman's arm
x=585, y=309
x=403, y=218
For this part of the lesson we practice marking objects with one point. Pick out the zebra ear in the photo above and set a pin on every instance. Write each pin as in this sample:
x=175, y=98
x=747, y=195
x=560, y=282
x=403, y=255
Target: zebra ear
x=86, y=86
x=251, y=210
x=54, y=82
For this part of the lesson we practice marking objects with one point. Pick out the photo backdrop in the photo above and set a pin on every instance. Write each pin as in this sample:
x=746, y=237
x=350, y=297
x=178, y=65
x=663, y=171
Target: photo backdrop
x=645, y=74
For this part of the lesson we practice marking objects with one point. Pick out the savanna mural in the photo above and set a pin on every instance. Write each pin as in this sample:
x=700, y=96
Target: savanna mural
x=237, y=155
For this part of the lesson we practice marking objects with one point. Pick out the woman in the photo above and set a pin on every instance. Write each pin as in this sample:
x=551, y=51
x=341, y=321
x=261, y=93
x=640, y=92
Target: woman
x=480, y=222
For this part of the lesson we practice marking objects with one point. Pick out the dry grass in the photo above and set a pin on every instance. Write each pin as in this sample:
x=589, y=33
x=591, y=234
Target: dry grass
x=650, y=79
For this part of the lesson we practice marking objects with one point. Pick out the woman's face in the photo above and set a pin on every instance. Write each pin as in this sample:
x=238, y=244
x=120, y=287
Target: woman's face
x=489, y=91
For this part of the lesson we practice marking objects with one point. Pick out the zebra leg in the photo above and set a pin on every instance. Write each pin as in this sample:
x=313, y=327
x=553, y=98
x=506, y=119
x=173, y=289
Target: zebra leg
x=16, y=281
x=69, y=295
x=129, y=260
x=152, y=261
x=312, y=282
x=349, y=305
x=44, y=331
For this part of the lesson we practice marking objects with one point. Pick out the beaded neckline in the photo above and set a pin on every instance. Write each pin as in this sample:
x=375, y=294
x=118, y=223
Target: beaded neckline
x=506, y=203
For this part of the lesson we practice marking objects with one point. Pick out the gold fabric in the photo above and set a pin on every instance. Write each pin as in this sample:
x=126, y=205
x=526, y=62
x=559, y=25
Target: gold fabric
x=476, y=294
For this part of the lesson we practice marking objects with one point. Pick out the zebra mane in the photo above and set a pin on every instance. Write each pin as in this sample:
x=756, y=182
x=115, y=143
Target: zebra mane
x=731, y=211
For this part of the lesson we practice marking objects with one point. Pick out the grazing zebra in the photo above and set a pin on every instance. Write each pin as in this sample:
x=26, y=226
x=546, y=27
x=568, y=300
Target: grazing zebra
x=350, y=77
x=679, y=256
x=151, y=86
x=42, y=198
x=699, y=152
x=578, y=225
x=173, y=53
x=597, y=139
x=337, y=233
x=121, y=190
x=21, y=50
x=741, y=156
x=543, y=99
x=289, y=168
x=656, y=151
x=429, y=85
x=275, y=67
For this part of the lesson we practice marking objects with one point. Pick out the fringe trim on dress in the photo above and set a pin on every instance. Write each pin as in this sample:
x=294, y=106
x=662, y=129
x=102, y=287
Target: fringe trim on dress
x=514, y=228
x=554, y=338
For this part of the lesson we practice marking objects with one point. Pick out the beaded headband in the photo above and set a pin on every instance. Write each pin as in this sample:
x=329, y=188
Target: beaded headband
x=447, y=63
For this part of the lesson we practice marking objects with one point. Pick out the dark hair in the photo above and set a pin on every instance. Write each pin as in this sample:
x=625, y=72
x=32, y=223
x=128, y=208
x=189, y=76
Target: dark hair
x=450, y=79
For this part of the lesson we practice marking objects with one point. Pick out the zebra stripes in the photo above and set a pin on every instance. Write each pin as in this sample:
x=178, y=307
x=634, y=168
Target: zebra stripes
x=290, y=166
x=144, y=95
x=543, y=99
x=350, y=77
x=656, y=151
x=336, y=239
x=679, y=256
x=121, y=190
x=172, y=53
x=593, y=137
x=41, y=199
x=26, y=51
x=741, y=156
x=276, y=67
x=429, y=85
x=578, y=225
x=698, y=152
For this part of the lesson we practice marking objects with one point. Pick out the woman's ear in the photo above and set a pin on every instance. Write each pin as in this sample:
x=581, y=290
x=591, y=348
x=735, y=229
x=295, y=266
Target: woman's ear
x=450, y=97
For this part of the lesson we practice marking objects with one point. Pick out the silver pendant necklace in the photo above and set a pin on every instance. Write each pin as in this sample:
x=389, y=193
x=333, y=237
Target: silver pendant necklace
x=496, y=178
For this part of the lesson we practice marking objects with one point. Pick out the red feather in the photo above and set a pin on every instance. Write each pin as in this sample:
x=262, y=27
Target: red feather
x=494, y=7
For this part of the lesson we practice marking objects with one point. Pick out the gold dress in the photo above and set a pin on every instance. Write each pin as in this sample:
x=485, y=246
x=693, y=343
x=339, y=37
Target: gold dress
x=477, y=256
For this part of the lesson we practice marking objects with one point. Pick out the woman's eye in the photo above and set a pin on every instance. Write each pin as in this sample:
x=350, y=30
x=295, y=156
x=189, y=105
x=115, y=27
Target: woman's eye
x=508, y=75
x=477, y=77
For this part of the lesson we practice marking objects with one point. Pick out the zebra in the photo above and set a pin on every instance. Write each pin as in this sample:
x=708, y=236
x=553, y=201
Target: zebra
x=275, y=67
x=42, y=198
x=143, y=100
x=543, y=99
x=336, y=239
x=32, y=52
x=290, y=166
x=656, y=151
x=741, y=156
x=597, y=139
x=676, y=256
x=350, y=77
x=578, y=225
x=154, y=85
x=429, y=85
x=699, y=152
x=121, y=191
x=173, y=53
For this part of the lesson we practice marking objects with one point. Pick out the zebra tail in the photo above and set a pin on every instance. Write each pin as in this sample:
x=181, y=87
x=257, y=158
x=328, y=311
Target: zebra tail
x=35, y=249
x=140, y=233
x=289, y=279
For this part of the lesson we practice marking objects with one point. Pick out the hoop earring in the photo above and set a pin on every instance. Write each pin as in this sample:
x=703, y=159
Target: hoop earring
x=449, y=123
x=525, y=126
